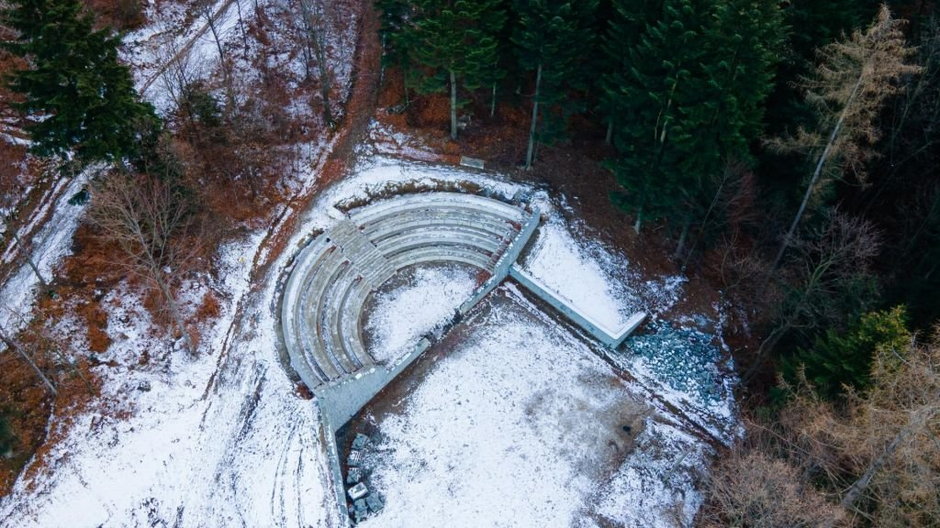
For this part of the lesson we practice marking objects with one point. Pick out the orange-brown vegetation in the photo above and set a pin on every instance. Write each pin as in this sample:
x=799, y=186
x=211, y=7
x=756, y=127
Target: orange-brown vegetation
x=234, y=175
x=96, y=322
x=27, y=402
x=122, y=15
x=209, y=308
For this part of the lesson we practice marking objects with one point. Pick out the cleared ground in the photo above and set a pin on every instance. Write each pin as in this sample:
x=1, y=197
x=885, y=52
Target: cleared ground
x=412, y=303
x=511, y=421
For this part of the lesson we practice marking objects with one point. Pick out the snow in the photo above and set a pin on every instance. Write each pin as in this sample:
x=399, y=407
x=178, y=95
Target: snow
x=656, y=487
x=49, y=244
x=519, y=424
x=178, y=44
x=557, y=257
x=425, y=298
x=509, y=428
x=216, y=439
x=207, y=445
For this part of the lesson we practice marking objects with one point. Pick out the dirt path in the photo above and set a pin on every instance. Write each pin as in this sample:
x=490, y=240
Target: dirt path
x=185, y=48
x=360, y=108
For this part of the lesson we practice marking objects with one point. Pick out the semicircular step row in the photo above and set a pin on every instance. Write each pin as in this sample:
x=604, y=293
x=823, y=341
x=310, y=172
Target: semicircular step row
x=335, y=274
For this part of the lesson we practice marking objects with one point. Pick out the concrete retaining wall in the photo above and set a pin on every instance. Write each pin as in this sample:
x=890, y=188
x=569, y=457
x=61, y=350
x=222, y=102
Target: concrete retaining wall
x=612, y=339
x=343, y=399
x=505, y=262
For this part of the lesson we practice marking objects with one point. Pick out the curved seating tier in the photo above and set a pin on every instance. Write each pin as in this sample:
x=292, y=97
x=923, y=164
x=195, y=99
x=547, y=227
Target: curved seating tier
x=321, y=310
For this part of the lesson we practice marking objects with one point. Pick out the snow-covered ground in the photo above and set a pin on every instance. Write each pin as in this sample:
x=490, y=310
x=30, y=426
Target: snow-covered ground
x=521, y=425
x=49, y=243
x=216, y=440
x=420, y=300
x=219, y=439
x=222, y=439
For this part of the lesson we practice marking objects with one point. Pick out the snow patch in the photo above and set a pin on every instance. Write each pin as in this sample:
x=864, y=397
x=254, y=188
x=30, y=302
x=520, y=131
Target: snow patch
x=426, y=299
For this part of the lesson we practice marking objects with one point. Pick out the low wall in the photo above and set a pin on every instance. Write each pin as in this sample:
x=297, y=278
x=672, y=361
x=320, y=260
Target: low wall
x=505, y=262
x=343, y=399
x=611, y=338
x=328, y=433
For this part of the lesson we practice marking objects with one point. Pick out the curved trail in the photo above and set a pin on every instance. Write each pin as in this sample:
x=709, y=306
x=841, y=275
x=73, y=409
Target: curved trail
x=358, y=112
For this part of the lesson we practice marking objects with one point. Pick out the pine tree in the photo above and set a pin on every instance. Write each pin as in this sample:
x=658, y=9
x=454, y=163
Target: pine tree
x=838, y=360
x=77, y=94
x=685, y=98
x=552, y=39
x=456, y=40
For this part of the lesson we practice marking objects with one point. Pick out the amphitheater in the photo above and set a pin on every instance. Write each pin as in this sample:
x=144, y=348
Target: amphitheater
x=333, y=276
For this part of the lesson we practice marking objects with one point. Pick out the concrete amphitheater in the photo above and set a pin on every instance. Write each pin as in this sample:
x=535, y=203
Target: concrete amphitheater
x=321, y=313
x=332, y=278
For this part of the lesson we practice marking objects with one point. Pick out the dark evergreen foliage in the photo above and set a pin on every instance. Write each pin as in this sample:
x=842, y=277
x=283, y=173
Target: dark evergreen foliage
x=6, y=436
x=78, y=96
x=843, y=359
x=455, y=42
x=552, y=40
x=686, y=97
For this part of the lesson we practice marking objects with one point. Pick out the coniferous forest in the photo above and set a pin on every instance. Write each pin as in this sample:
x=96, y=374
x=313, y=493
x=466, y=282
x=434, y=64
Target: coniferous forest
x=786, y=152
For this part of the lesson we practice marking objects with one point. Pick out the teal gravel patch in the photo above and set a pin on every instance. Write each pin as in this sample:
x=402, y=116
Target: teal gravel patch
x=684, y=359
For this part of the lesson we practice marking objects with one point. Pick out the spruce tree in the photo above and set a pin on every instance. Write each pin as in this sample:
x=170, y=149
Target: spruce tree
x=457, y=42
x=650, y=99
x=394, y=16
x=552, y=39
x=843, y=359
x=685, y=96
x=77, y=95
x=627, y=20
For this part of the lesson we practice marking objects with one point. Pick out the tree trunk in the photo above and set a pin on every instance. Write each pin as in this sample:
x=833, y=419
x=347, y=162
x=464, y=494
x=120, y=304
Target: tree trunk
x=453, y=105
x=682, y=237
x=241, y=25
x=210, y=20
x=493, y=101
x=914, y=424
x=316, y=42
x=639, y=220
x=610, y=132
x=404, y=83
x=173, y=308
x=533, y=126
x=708, y=213
x=31, y=262
x=16, y=348
x=817, y=173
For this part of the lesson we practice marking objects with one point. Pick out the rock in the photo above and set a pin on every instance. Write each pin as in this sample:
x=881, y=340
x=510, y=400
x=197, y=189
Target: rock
x=375, y=503
x=360, y=441
x=360, y=510
x=358, y=491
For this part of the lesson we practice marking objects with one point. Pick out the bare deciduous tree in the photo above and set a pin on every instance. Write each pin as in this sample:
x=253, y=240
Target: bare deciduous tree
x=314, y=18
x=830, y=264
x=146, y=218
x=891, y=438
x=851, y=83
x=212, y=22
x=25, y=356
x=753, y=489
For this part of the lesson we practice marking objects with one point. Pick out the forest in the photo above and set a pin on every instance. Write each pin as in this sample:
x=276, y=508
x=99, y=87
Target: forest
x=788, y=152
x=785, y=151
